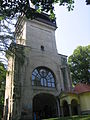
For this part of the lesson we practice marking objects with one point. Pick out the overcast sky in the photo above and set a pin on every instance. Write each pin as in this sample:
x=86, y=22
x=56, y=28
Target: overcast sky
x=73, y=27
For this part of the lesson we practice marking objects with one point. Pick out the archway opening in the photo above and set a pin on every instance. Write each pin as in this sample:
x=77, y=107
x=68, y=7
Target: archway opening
x=65, y=108
x=74, y=106
x=44, y=106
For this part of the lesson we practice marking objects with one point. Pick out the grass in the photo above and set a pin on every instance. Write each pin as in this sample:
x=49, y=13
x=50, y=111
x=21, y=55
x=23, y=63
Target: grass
x=82, y=117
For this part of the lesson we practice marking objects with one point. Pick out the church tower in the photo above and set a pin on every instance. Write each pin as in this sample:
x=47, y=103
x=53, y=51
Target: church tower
x=36, y=72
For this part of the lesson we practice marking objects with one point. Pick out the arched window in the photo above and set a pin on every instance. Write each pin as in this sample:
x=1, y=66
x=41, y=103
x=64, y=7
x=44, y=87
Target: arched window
x=42, y=76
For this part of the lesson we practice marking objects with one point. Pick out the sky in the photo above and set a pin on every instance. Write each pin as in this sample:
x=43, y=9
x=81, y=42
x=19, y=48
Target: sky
x=73, y=27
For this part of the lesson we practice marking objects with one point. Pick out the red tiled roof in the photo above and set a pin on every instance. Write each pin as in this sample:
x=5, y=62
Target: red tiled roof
x=80, y=88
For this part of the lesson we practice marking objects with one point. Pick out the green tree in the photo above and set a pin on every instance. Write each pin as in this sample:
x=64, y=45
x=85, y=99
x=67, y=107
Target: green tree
x=9, y=8
x=79, y=63
x=7, y=36
x=2, y=87
x=87, y=2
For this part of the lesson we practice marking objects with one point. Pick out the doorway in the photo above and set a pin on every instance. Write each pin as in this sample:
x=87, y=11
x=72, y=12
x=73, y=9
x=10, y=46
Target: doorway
x=65, y=108
x=44, y=106
x=74, y=106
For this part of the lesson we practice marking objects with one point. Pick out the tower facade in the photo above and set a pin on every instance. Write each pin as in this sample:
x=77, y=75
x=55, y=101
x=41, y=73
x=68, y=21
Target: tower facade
x=36, y=72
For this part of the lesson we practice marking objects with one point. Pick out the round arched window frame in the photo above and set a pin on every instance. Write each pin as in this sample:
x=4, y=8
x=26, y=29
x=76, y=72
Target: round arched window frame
x=43, y=76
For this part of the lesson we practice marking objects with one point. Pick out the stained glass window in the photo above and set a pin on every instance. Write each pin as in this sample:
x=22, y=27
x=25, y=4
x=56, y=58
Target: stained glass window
x=42, y=76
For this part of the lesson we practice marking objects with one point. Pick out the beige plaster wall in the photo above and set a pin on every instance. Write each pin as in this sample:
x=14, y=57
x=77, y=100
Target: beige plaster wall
x=85, y=101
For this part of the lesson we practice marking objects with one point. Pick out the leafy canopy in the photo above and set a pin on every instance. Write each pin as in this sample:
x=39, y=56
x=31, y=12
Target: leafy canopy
x=9, y=8
x=79, y=63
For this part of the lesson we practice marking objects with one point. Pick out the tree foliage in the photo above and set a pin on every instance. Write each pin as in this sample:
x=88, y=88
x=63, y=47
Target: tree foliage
x=2, y=87
x=7, y=36
x=79, y=63
x=10, y=8
x=88, y=2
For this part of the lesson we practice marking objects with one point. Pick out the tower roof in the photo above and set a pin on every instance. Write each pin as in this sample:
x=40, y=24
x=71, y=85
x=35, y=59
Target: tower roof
x=45, y=18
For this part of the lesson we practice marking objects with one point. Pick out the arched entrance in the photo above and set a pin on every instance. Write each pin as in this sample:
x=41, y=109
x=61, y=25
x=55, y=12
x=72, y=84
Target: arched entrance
x=65, y=108
x=44, y=106
x=74, y=106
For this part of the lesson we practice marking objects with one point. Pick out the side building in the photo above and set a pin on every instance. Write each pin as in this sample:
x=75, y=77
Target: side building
x=37, y=74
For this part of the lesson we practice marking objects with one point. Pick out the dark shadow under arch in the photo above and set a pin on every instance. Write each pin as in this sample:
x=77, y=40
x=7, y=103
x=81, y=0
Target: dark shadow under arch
x=44, y=106
x=65, y=108
x=74, y=107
